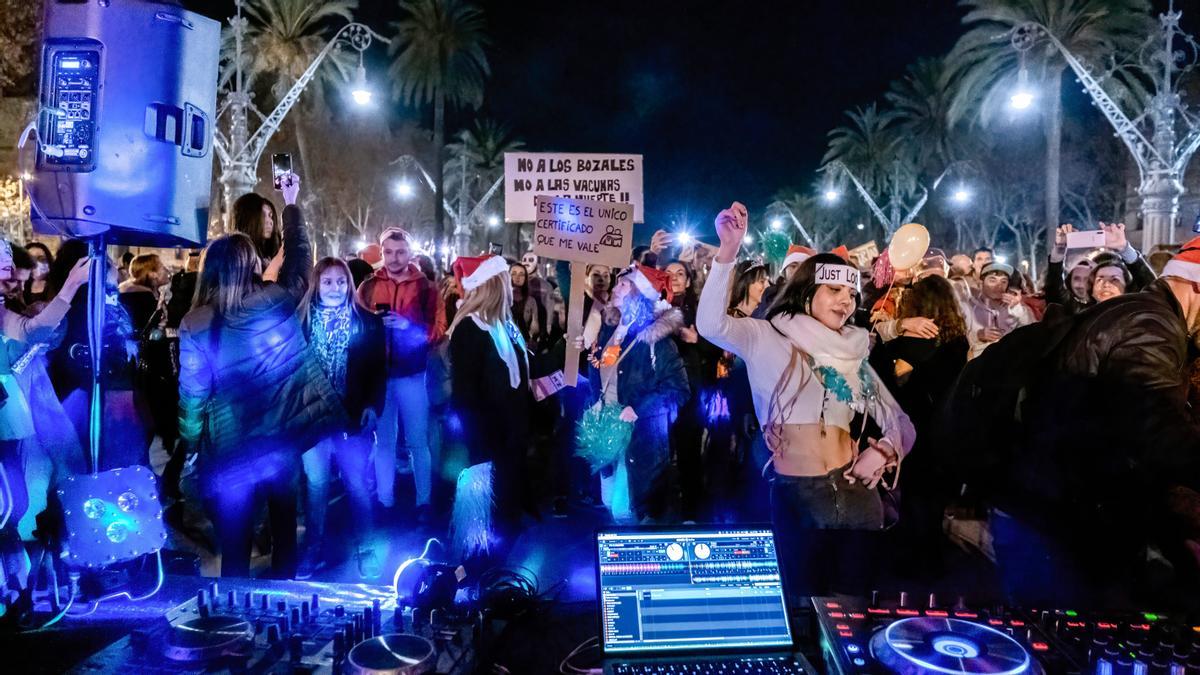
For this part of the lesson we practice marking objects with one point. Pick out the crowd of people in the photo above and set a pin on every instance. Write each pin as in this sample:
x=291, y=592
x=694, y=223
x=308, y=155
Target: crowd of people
x=850, y=406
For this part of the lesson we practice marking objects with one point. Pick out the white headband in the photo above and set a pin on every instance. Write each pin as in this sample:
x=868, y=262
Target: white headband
x=838, y=275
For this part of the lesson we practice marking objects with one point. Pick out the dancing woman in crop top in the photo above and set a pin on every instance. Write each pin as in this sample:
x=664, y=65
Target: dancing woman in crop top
x=809, y=378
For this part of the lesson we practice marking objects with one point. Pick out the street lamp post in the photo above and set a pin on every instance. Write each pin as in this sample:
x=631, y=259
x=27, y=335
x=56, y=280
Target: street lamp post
x=240, y=151
x=462, y=217
x=1174, y=131
x=892, y=220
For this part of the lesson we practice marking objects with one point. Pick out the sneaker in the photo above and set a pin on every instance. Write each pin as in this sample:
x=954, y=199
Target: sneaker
x=369, y=566
x=559, y=508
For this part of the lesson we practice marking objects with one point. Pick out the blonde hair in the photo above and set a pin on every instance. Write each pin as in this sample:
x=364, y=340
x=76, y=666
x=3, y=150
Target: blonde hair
x=142, y=266
x=313, y=294
x=491, y=302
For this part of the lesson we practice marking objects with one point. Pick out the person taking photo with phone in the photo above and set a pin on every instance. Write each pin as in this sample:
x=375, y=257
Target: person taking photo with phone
x=1101, y=275
x=251, y=397
x=407, y=301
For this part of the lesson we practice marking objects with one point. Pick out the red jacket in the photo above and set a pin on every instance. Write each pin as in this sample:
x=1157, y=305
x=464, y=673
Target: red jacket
x=415, y=298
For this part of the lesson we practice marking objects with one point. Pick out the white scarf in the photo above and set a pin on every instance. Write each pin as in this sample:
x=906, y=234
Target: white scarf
x=503, y=337
x=843, y=350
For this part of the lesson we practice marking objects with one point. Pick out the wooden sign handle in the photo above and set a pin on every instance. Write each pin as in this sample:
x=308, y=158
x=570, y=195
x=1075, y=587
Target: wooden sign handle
x=574, y=323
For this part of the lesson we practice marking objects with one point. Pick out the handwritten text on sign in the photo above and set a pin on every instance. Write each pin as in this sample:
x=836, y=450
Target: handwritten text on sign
x=583, y=230
x=599, y=177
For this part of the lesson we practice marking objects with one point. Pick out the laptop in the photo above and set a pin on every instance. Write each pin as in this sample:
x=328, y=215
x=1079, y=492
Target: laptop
x=693, y=599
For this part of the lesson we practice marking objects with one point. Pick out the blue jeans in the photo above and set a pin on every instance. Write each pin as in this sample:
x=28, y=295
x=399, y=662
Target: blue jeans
x=826, y=529
x=351, y=453
x=407, y=408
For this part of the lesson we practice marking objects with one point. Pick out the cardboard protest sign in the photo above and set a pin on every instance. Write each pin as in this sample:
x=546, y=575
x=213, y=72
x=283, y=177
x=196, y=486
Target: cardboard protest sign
x=595, y=176
x=583, y=231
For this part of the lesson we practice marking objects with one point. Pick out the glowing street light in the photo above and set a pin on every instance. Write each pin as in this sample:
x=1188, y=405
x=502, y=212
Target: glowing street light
x=961, y=196
x=1021, y=100
x=361, y=93
x=749, y=238
x=404, y=189
x=493, y=221
x=861, y=226
x=832, y=195
x=776, y=224
x=1002, y=259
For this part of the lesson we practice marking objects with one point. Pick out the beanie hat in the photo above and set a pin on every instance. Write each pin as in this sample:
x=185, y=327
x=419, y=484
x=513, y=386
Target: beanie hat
x=996, y=268
x=651, y=282
x=472, y=272
x=1186, y=263
x=797, y=254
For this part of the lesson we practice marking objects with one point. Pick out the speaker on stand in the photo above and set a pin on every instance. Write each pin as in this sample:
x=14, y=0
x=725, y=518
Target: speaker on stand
x=127, y=103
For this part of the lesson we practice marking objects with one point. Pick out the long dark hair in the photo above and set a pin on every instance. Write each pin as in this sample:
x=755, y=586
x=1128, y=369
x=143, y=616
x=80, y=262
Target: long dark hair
x=70, y=252
x=227, y=273
x=747, y=273
x=248, y=219
x=933, y=298
x=800, y=289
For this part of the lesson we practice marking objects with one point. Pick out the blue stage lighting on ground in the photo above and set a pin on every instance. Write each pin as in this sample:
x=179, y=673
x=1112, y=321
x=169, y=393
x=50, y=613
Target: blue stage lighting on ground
x=111, y=517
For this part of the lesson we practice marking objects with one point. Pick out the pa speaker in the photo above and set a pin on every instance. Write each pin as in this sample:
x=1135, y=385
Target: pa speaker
x=127, y=106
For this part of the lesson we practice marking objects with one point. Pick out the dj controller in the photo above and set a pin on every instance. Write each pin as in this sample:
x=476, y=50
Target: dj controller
x=905, y=636
x=256, y=626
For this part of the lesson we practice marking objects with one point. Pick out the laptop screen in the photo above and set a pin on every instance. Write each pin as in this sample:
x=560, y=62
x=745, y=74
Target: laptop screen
x=690, y=589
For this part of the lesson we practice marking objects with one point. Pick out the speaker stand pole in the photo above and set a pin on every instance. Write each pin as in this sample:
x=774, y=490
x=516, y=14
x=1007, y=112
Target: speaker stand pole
x=97, y=278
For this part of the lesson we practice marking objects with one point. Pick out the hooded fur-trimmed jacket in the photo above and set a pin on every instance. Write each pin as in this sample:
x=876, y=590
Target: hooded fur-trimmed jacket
x=651, y=378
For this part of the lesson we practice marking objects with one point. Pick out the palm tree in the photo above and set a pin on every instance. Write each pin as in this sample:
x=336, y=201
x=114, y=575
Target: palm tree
x=984, y=59
x=476, y=162
x=439, y=58
x=921, y=102
x=283, y=38
x=867, y=145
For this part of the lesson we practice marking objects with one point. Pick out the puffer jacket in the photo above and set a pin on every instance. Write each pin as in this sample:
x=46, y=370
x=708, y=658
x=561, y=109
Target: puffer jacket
x=1109, y=430
x=247, y=383
x=415, y=298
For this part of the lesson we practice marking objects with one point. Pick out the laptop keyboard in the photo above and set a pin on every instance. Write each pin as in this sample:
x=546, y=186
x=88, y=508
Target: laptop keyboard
x=728, y=666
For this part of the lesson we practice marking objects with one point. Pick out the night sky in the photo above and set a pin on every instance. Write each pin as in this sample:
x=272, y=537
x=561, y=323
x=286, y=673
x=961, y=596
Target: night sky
x=726, y=100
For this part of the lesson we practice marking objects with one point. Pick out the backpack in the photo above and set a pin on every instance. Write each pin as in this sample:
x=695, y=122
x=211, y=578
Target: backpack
x=979, y=429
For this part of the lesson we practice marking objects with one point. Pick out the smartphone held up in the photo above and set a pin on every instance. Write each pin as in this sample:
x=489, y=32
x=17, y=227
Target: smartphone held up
x=281, y=164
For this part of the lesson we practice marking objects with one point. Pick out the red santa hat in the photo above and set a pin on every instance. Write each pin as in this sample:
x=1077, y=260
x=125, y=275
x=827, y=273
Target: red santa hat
x=472, y=272
x=797, y=254
x=842, y=252
x=1186, y=263
x=651, y=282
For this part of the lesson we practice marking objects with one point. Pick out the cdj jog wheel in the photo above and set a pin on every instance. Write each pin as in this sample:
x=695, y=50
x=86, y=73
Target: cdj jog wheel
x=393, y=654
x=207, y=638
x=951, y=647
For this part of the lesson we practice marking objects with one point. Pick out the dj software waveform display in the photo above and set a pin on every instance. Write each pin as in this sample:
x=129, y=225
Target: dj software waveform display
x=688, y=590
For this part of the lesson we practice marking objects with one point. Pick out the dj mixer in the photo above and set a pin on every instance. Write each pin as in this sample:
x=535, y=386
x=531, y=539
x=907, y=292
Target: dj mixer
x=256, y=626
x=905, y=636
